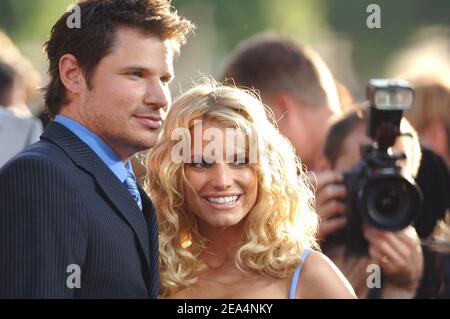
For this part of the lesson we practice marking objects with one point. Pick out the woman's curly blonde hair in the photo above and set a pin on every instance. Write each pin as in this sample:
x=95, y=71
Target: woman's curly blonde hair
x=280, y=225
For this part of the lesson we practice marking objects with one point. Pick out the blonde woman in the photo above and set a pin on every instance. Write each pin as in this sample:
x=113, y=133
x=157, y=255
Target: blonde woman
x=236, y=220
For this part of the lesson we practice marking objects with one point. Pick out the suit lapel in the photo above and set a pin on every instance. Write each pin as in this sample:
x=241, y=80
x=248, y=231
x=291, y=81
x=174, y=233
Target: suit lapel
x=85, y=158
x=152, y=222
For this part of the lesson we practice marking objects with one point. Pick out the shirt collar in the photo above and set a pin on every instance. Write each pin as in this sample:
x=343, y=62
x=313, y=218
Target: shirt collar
x=100, y=147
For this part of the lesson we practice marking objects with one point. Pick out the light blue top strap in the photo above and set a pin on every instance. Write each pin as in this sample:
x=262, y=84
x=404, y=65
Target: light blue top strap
x=296, y=275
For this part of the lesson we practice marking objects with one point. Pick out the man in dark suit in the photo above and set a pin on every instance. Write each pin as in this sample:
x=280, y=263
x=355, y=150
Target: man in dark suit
x=73, y=222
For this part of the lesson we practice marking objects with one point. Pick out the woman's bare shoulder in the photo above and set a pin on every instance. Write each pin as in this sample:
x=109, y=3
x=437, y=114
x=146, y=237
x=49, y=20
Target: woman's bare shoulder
x=321, y=279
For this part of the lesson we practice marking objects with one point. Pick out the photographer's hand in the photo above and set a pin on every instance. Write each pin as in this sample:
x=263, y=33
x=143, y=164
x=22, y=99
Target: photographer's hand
x=330, y=207
x=399, y=254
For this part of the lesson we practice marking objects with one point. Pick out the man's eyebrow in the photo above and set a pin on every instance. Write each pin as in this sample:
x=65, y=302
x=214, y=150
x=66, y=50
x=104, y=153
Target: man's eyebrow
x=136, y=68
x=145, y=70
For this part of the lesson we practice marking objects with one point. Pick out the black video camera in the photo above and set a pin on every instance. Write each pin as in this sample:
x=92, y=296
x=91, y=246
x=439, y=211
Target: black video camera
x=378, y=194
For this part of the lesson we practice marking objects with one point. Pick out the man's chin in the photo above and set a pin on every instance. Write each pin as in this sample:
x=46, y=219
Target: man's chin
x=147, y=142
x=132, y=144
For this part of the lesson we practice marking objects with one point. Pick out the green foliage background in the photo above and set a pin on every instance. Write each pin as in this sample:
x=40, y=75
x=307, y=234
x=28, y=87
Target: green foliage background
x=28, y=22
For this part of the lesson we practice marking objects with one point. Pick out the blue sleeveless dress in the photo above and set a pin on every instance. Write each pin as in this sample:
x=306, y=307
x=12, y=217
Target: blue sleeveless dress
x=294, y=282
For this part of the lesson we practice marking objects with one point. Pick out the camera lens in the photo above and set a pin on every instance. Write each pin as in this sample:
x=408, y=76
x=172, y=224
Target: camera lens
x=387, y=201
x=390, y=202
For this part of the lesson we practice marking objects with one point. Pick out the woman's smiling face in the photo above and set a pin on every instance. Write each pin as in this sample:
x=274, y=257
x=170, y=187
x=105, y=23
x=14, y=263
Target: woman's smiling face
x=219, y=192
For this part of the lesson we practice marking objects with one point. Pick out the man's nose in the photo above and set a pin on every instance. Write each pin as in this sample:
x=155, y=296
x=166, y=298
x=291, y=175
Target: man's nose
x=157, y=95
x=221, y=176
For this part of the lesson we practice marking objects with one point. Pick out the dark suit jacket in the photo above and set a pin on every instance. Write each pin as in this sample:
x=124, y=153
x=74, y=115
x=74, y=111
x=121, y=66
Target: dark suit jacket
x=60, y=205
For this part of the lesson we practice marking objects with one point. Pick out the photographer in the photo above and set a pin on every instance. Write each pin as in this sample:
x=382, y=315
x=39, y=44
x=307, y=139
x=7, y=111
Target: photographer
x=398, y=253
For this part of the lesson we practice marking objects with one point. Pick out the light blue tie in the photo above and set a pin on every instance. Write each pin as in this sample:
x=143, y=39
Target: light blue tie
x=131, y=184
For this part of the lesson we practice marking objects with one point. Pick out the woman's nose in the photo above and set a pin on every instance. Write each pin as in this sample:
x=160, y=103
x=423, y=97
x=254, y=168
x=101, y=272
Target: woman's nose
x=221, y=176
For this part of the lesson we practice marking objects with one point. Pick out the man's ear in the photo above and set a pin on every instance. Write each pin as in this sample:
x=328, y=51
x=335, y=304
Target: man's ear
x=71, y=75
x=285, y=106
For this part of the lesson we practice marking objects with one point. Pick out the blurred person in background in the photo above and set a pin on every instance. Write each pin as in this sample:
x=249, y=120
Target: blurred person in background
x=430, y=115
x=398, y=253
x=28, y=79
x=348, y=105
x=7, y=83
x=16, y=133
x=295, y=83
x=19, y=90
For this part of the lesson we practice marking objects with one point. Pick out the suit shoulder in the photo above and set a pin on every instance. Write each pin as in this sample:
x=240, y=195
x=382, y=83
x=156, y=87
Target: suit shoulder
x=30, y=179
x=37, y=162
x=42, y=153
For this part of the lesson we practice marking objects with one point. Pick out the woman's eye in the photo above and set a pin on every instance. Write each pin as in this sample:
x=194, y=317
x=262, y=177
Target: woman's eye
x=202, y=164
x=240, y=161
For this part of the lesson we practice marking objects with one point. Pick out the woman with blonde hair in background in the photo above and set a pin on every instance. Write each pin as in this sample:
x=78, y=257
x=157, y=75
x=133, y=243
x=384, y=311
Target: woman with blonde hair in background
x=236, y=218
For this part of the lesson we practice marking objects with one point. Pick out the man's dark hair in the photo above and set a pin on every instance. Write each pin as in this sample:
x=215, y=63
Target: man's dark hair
x=270, y=63
x=95, y=39
x=338, y=132
x=7, y=77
